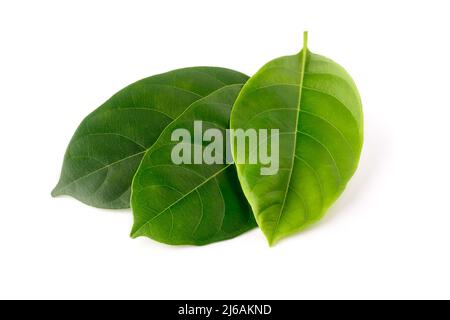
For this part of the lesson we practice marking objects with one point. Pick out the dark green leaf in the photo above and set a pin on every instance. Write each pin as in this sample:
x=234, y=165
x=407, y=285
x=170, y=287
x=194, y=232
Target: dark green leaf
x=109, y=144
x=190, y=204
x=316, y=106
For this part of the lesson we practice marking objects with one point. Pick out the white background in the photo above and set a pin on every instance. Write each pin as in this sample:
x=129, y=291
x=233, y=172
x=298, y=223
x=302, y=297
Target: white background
x=387, y=237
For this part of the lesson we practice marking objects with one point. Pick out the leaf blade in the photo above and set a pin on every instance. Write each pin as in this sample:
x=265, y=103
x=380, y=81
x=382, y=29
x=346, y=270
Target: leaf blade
x=190, y=204
x=316, y=106
x=107, y=147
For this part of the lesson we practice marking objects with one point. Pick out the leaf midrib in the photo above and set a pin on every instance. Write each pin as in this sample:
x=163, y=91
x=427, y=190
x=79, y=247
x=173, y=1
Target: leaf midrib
x=55, y=192
x=302, y=70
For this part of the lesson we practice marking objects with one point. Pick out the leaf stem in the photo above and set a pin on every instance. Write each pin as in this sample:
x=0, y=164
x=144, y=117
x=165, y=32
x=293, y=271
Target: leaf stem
x=305, y=40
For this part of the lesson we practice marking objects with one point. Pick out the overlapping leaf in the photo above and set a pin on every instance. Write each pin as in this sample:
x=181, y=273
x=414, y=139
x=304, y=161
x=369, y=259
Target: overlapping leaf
x=193, y=204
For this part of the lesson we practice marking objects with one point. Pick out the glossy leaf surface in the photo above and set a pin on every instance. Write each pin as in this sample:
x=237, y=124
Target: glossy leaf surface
x=316, y=106
x=190, y=204
x=109, y=144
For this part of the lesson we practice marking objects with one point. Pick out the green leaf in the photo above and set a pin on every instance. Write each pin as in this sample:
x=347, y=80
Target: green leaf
x=109, y=144
x=316, y=107
x=190, y=204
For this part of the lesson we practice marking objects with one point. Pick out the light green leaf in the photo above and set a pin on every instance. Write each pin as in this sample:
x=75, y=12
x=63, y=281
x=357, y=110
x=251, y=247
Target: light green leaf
x=190, y=204
x=109, y=144
x=316, y=107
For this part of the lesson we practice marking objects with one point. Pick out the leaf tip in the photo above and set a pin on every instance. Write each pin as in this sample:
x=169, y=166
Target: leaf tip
x=272, y=241
x=134, y=234
x=55, y=192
